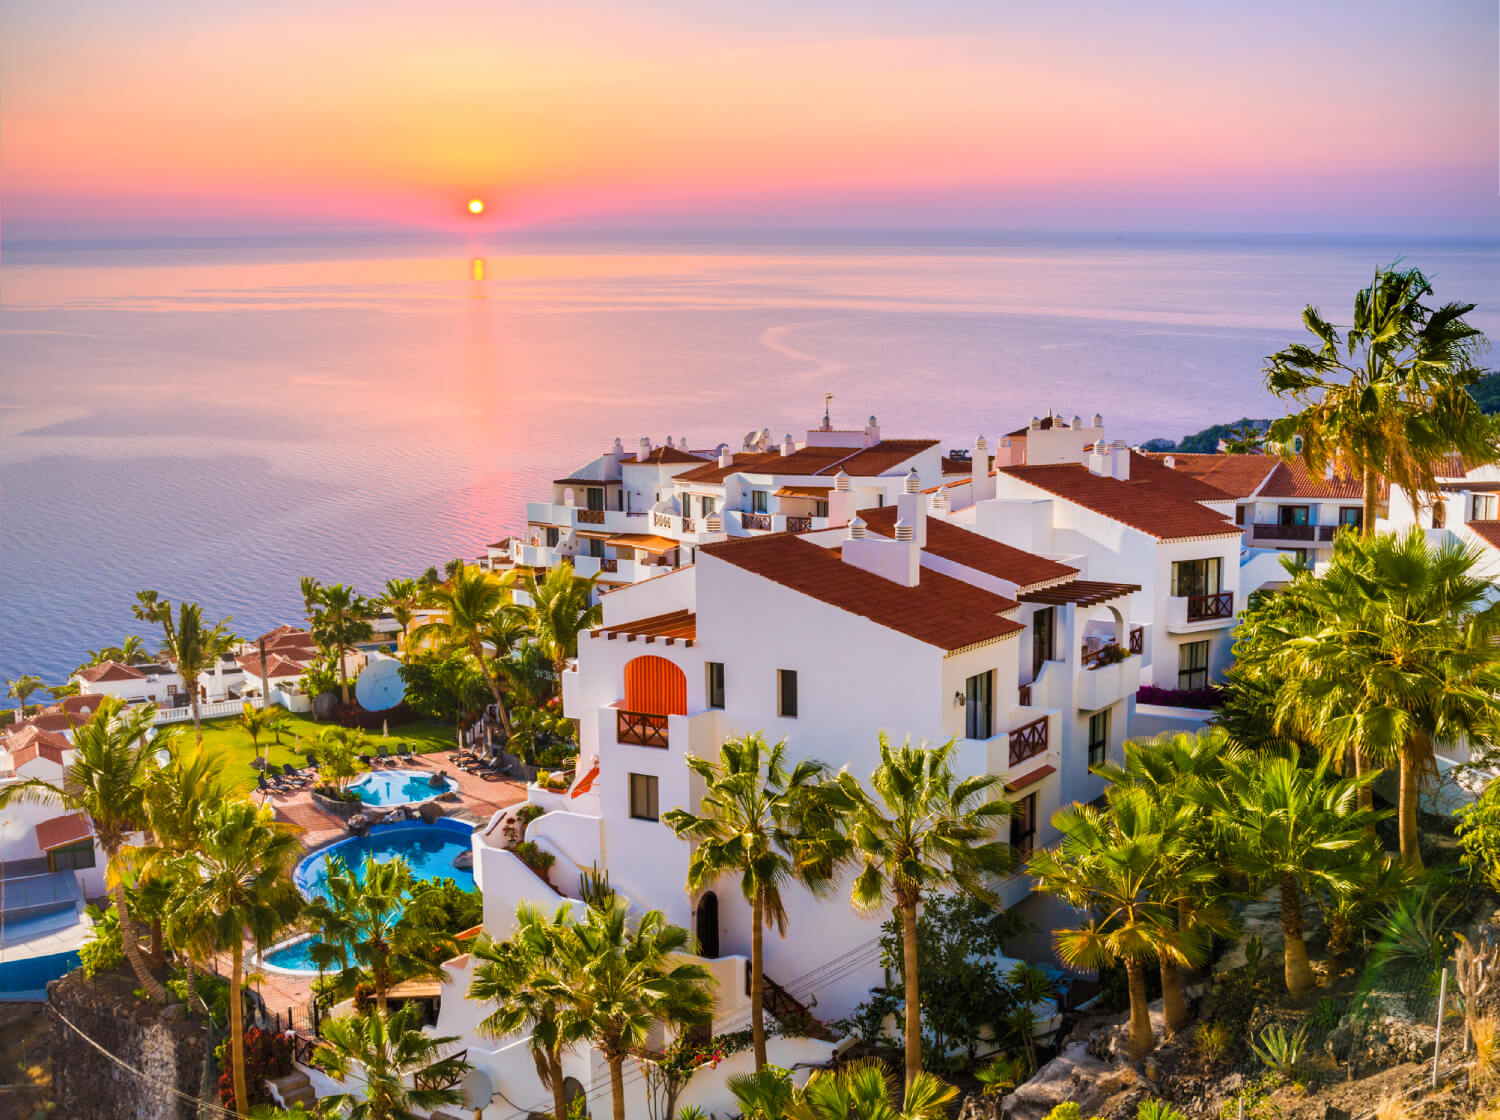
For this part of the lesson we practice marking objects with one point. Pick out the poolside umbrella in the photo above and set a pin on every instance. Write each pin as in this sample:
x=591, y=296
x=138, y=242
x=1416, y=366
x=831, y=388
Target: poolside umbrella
x=385, y=728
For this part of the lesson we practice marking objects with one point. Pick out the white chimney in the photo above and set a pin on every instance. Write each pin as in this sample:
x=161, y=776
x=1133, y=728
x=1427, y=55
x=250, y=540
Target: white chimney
x=1098, y=420
x=840, y=501
x=899, y=561
x=904, y=530
x=857, y=529
x=872, y=432
x=669, y=442
x=1098, y=460
x=1077, y=422
x=645, y=452
x=714, y=523
x=1170, y=462
x=981, y=485
x=913, y=484
x=940, y=503
x=911, y=510
x=1036, y=423
x=682, y=443
x=1119, y=460
x=619, y=449
x=841, y=480
x=787, y=446
x=726, y=457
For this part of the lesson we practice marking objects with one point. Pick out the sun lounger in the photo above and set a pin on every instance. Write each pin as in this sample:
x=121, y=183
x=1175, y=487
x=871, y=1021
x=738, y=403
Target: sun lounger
x=381, y=754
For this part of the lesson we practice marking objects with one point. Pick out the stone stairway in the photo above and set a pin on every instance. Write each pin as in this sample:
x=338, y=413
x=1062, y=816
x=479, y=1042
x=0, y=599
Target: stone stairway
x=295, y=1088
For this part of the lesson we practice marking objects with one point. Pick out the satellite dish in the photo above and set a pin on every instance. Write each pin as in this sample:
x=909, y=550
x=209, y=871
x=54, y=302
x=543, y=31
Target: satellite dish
x=477, y=1089
x=380, y=686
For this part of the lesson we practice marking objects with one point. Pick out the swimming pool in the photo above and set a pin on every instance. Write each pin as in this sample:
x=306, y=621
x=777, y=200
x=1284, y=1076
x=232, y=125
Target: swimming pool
x=429, y=848
x=400, y=787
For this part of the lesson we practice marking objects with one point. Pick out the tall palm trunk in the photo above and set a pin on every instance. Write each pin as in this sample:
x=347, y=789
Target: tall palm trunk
x=1371, y=502
x=555, y=1076
x=237, y=1027
x=757, y=980
x=494, y=682
x=1366, y=795
x=1411, y=760
x=1299, y=977
x=132, y=946
x=192, y=687
x=1173, y=1005
x=343, y=675
x=1142, y=1037
x=913, y=999
x=158, y=954
x=617, y=1087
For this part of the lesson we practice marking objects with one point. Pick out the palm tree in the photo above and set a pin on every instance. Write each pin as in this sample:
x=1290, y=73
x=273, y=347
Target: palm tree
x=310, y=587
x=176, y=797
x=765, y=1094
x=1104, y=867
x=748, y=828
x=132, y=651
x=865, y=1090
x=1167, y=768
x=256, y=722
x=106, y=781
x=1389, y=398
x=923, y=830
x=340, y=621
x=395, y=1060
x=560, y=611
x=1399, y=652
x=1291, y=827
x=401, y=597
x=194, y=646
x=338, y=759
x=366, y=924
x=470, y=604
x=21, y=689
x=628, y=976
x=235, y=884
x=526, y=978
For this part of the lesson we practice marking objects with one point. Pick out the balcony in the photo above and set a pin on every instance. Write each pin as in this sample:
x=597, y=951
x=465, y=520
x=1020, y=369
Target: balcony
x=758, y=522
x=1028, y=741
x=1103, y=682
x=1188, y=613
x=641, y=729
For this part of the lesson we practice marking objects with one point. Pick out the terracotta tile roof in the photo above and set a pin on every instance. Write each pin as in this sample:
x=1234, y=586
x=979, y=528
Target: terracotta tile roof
x=1139, y=503
x=110, y=671
x=277, y=666
x=1236, y=475
x=956, y=466
x=974, y=550
x=883, y=457
x=673, y=626
x=1181, y=484
x=59, y=832
x=940, y=611
x=67, y=713
x=1291, y=479
x=665, y=454
x=1452, y=465
x=280, y=632
x=1487, y=531
x=33, y=742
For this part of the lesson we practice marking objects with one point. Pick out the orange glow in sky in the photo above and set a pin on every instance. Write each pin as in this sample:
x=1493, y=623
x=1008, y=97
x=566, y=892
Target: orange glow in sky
x=476, y=206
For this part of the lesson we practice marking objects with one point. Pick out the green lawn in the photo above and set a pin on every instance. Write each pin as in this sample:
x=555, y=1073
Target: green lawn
x=424, y=737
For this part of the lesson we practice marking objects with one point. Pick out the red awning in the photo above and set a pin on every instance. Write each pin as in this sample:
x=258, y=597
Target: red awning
x=1029, y=779
x=59, y=832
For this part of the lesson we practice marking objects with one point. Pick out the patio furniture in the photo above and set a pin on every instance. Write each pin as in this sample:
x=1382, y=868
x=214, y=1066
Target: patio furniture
x=381, y=754
x=405, y=751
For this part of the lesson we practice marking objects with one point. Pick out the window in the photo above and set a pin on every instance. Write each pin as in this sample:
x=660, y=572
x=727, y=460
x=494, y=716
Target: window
x=72, y=858
x=1098, y=738
x=1292, y=515
x=643, y=803
x=596, y=546
x=978, y=706
x=552, y=534
x=1439, y=514
x=1192, y=665
x=709, y=505
x=820, y=508
x=596, y=497
x=1484, y=507
x=1041, y=639
x=1196, y=577
x=1352, y=516
x=786, y=693
x=1023, y=825
x=715, y=684
x=1239, y=515
x=758, y=500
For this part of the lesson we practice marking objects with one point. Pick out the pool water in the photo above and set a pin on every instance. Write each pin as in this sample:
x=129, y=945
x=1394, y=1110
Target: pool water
x=429, y=848
x=400, y=787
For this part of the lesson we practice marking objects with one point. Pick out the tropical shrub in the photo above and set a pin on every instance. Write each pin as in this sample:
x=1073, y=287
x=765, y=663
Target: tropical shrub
x=1213, y=1042
x=1158, y=1110
x=105, y=949
x=268, y=1055
x=1479, y=834
x=1281, y=1052
x=538, y=859
x=1002, y=1074
x=321, y=675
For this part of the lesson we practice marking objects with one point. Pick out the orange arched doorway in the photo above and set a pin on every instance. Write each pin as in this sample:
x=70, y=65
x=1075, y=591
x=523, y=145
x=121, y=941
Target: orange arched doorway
x=656, y=686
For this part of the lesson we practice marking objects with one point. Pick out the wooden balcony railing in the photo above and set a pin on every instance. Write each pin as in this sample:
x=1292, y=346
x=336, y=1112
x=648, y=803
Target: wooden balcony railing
x=303, y=1048
x=687, y=525
x=661, y=520
x=798, y=524
x=1206, y=608
x=1028, y=740
x=643, y=729
x=1137, y=639
x=1023, y=696
x=758, y=521
x=432, y=1084
x=1285, y=532
x=591, y=516
x=608, y=564
x=1325, y=532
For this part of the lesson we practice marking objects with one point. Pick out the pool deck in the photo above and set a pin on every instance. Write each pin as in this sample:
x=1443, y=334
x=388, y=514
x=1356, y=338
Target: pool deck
x=478, y=801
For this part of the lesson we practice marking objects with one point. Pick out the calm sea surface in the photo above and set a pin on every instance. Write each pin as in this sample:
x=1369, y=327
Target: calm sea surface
x=216, y=422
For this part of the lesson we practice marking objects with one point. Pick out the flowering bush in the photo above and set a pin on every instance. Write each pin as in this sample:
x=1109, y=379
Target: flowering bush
x=268, y=1055
x=1211, y=697
x=685, y=1056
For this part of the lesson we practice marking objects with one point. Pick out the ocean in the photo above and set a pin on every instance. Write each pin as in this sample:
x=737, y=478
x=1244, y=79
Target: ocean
x=216, y=421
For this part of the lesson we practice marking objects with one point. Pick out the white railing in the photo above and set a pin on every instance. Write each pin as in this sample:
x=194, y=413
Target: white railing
x=208, y=711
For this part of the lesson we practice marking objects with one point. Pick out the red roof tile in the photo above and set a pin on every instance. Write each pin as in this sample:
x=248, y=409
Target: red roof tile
x=110, y=671
x=1291, y=479
x=864, y=462
x=1140, y=503
x=33, y=742
x=940, y=611
x=1487, y=531
x=59, y=832
x=974, y=550
x=1177, y=483
x=956, y=466
x=276, y=665
x=1030, y=778
x=1236, y=475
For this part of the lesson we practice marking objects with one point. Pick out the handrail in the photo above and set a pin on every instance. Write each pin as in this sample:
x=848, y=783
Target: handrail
x=758, y=521
x=798, y=524
x=591, y=516
x=1137, y=639
x=1028, y=740
x=1203, y=608
x=641, y=729
x=1275, y=531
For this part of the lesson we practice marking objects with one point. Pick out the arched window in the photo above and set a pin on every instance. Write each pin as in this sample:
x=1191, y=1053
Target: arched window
x=1439, y=514
x=655, y=685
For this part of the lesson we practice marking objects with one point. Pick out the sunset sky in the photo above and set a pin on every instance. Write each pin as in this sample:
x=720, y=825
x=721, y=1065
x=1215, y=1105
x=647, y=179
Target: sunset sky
x=192, y=118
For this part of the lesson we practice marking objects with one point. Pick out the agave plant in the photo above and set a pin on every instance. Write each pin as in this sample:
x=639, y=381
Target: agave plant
x=1281, y=1052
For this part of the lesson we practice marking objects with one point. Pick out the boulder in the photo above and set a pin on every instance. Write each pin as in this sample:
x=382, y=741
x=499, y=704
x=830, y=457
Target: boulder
x=464, y=861
x=325, y=705
x=430, y=811
x=358, y=823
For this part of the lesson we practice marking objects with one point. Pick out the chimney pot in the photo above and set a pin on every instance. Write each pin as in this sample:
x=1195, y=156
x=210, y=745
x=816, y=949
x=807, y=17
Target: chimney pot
x=645, y=452
x=1077, y=422
x=904, y=530
x=1036, y=423
x=787, y=446
x=841, y=481
x=1098, y=420
x=857, y=529
x=913, y=482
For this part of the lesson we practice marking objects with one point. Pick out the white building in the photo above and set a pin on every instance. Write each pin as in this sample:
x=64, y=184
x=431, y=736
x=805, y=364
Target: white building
x=39, y=838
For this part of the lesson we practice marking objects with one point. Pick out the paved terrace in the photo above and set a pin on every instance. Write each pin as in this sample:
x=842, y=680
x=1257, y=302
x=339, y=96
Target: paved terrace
x=478, y=800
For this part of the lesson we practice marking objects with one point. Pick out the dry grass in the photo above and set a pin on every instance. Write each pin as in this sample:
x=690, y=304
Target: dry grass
x=1393, y=1107
x=1486, y=1048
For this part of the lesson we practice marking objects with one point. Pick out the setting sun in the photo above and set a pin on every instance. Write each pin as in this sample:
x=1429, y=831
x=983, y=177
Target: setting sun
x=476, y=206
